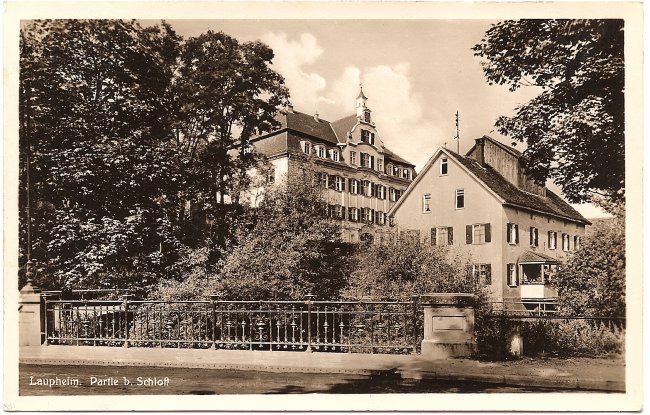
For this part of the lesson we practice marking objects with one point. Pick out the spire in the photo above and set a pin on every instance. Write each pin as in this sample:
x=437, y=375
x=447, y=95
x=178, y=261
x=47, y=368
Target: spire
x=363, y=113
x=361, y=96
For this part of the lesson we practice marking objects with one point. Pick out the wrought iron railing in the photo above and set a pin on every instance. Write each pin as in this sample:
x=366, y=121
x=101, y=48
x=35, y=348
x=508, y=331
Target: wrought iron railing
x=324, y=326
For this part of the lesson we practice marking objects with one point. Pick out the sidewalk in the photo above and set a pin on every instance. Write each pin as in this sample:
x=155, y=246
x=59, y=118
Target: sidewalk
x=582, y=373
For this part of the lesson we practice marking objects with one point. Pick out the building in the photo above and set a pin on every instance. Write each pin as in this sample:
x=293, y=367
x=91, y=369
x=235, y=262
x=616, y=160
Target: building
x=362, y=177
x=515, y=231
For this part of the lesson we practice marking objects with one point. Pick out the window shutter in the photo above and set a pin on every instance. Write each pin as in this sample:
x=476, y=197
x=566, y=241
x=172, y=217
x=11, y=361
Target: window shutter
x=372, y=162
x=342, y=184
x=468, y=234
x=509, y=232
x=350, y=184
x=433, y=236
x=373, y=190
x=488, y=233
x=488, y=274
x=450, y=235
x=549, y=239
x=516, y=233
x=531, y=236
x=350, y=213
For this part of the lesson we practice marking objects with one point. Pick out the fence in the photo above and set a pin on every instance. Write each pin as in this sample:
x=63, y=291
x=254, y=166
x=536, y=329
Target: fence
x=324, y=326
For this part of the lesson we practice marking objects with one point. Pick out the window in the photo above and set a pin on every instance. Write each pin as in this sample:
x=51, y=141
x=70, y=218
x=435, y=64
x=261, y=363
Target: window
x=512, y=233
x=552, y=240
x=353, y=158
x=380, y=165
x=396, y=171
x=389, y=169
x=534, y=236
x=576, y=242
x=443, y=166
x=460, y=199
x=398, y=194
x=366, y=187
x=406, y=174
x=381, y=218
x=363, y=159
x=426, y=203
x=353, y=214
x=337, y=211
x=392, y=194
x=482, y=273
x=323, y=179
x=565, y=242
x=442, y=235
x=321, y=152
x=381, y=192
x=306, y=147
x=339, y=184
x=369, y=215
x=354, y=186
x=335, y=155
x=478, y=233
x=512, y=275
x=270, y=176
x=367, y=137
x=366, y=115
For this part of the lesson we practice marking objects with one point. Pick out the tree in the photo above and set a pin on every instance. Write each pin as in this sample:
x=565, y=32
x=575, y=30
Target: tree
x=226, y=94
x=574, y=128
x=593, y=281
x=282, y=250
x=95, y=119
x=406, y=267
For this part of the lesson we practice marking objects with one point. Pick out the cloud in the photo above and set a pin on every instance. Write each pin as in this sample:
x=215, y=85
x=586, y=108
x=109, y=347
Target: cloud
x=291, y=56
x=405, y=125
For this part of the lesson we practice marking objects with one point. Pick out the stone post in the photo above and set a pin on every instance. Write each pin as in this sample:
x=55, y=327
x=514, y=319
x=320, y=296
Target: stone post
x=448, y=325
x=31, y=314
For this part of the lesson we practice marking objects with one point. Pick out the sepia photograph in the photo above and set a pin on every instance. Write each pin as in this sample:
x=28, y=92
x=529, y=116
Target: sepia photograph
x=362, y=200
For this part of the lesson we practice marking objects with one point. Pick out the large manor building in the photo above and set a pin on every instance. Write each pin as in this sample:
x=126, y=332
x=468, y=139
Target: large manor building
x=362, y=178
x=514, y=230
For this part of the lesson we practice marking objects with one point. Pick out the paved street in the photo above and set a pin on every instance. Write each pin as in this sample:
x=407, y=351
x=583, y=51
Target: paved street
x=109, y=380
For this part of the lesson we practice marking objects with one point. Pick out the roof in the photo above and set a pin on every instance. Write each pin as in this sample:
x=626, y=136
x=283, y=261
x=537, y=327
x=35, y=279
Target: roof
x=511, y=195
x=343, y=126
x=307, y=124
x=536, y=257
x=509, y=149
x=388, y=153
x=502, y=189
x=331, y=132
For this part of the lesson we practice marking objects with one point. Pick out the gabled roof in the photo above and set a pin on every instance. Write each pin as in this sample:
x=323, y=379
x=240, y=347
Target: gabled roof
x=502, y=189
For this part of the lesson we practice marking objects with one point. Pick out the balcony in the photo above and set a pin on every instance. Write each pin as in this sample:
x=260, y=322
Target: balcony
x=537, y=291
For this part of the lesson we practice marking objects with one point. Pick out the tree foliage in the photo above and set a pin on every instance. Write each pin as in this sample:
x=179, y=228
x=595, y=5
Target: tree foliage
x=574, y=128
x=593, y=281
x=107, y=108
x=405, y=267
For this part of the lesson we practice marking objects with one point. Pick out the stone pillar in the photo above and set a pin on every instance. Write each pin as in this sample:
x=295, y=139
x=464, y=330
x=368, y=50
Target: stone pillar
x=31, y=316
x=448, y=325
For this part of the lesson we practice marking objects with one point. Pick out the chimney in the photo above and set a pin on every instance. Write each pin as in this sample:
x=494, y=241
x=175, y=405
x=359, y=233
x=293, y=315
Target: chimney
x=316, y=117
x=480, y=151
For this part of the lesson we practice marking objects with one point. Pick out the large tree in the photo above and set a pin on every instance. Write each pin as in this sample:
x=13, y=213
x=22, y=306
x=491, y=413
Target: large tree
x=574, y=128
x=95, y=122
x=227, y=93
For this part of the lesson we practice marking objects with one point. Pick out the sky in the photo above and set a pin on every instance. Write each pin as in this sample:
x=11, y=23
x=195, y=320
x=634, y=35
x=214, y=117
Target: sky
x=415, y=73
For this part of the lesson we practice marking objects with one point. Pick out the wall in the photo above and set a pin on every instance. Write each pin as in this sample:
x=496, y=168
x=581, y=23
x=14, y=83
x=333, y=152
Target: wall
x=480, y=207
x=545, y=224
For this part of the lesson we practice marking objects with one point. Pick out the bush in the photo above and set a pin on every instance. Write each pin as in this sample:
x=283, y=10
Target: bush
x=564, y=338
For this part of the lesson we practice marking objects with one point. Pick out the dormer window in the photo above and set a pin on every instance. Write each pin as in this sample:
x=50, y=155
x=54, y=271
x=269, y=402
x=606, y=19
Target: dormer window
x=321, y=152
x=306, y=147
x=389, y=169
x=335, y=155
x=406, y=174
x=443, y=166
x=396, y=171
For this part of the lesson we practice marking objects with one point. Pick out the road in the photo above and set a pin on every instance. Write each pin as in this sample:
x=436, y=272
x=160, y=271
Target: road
x=38, y=380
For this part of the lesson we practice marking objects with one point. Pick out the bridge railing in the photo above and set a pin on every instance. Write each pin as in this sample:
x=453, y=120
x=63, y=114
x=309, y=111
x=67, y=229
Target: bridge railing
x=324, y=326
